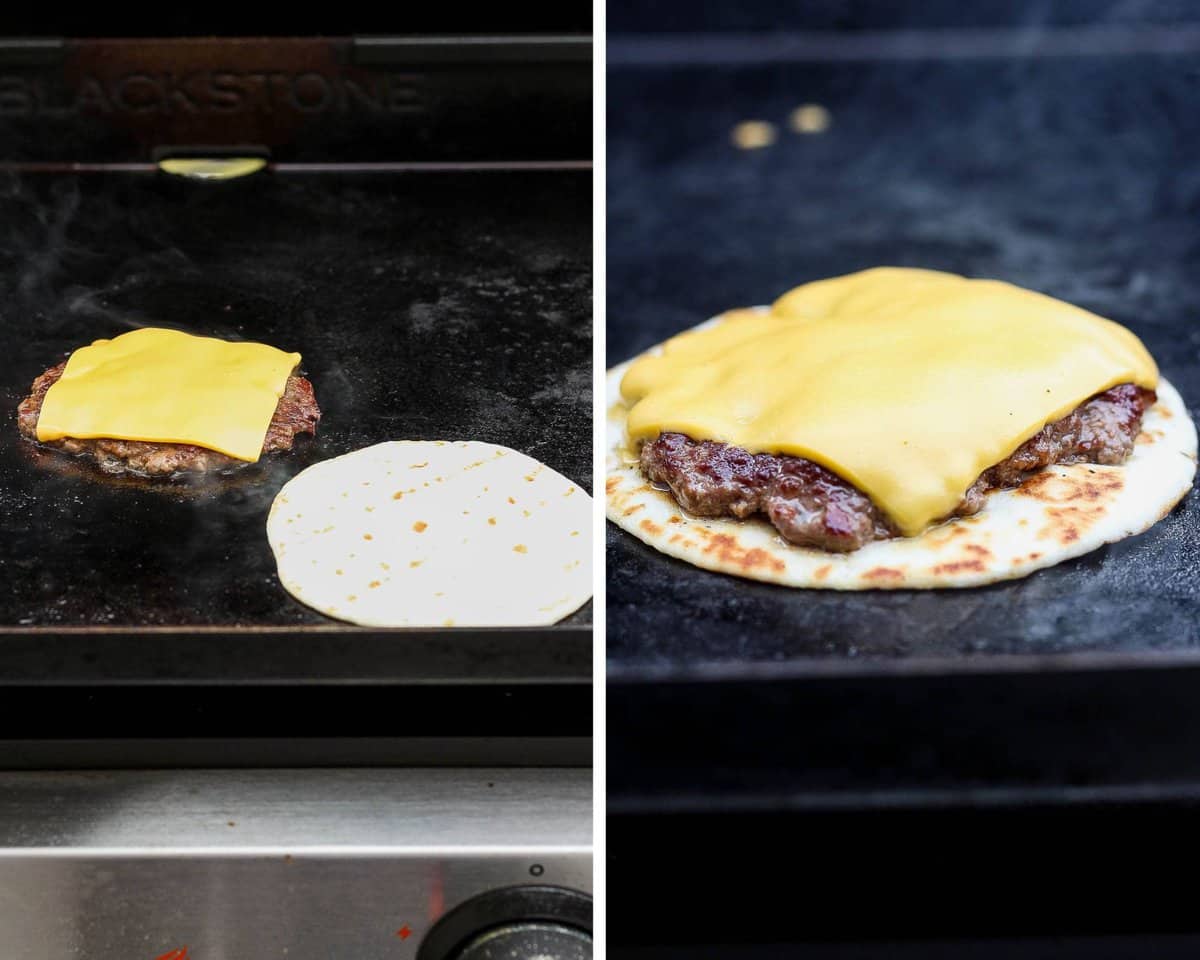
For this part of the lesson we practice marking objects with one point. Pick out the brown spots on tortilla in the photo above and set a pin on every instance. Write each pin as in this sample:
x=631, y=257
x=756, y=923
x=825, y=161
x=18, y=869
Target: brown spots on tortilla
x=367, y=536
x=529, y=477
x=352, y=598
x=1145, y=438
x=1067, y=523
x=959, y=566
x=386, y=566
x=415, y=563
x=1095, y=485
x=943, y=537
x=339, y=572
x=611, y=484
x=420, y=526
x=675, y=538
x=520, y=548
x=492, y=521
x=675, y=519
x=1163, y=411
x=731, y=553
x=511, y=500
x=822, y=572
x=884, y=574
x=1035, y=556
x=447, y=623
x=373, y=584
x=418, y=466
x=651, y=527
x=570, y=490
x=634, y=509
x=972, y=560
x=1079, y=500
x=574, y=533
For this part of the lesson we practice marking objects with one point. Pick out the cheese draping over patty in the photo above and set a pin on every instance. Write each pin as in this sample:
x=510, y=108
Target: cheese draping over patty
x=165, y=386
x=907, y=383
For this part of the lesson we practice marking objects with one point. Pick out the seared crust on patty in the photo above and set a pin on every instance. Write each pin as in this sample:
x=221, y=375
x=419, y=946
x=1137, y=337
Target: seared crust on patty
x=297, y=412
x=812, y=506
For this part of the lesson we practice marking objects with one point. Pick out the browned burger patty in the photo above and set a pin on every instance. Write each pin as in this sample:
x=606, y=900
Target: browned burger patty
x=297, y=412
x=812, y=506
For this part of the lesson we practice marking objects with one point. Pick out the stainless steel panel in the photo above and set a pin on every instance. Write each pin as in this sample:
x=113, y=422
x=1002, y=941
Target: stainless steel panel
x=243, y=865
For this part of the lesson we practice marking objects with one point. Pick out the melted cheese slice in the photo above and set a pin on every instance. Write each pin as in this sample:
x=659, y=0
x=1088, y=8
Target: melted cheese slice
x=165, y=386
x=908, y=383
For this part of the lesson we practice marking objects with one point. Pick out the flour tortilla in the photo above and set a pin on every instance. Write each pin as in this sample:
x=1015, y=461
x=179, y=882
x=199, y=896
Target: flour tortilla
x=1059, y=513
x=434, y=533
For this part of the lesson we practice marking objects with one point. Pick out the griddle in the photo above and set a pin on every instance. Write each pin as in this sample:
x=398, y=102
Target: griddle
x=859, y=735
x=436, y=280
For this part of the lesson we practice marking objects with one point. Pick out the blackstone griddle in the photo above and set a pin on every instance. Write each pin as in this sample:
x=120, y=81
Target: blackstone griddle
x=902, y=754
x=421, y=236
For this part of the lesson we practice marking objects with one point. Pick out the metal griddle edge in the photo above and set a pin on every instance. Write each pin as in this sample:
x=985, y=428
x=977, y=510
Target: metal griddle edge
x=426, y=209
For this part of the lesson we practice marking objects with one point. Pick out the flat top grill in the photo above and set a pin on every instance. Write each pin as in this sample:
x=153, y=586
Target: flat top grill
x=1062, y=174
x=874, y=729
x=449, y=305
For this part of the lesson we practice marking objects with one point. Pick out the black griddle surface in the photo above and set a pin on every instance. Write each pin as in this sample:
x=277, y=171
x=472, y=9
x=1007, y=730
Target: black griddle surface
x=426, y=306
x=1066, y=175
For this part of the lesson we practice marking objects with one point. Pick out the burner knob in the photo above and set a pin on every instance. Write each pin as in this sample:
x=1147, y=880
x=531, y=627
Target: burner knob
x=514, y=923
x=546, y=941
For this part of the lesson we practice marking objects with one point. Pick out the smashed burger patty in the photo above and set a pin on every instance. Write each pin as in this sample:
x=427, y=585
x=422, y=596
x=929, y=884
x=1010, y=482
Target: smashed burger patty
x=812, y=506
x=296, y=413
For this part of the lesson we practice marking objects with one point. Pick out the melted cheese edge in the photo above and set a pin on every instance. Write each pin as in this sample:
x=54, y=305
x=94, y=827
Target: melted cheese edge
x=907, y=383
x=165, y=386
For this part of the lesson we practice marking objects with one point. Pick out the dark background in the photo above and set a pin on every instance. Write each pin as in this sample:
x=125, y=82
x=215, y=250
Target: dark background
x=857, y=15
x=298, y=20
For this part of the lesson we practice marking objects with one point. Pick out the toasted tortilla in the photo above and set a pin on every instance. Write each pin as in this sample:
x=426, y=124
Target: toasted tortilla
x=1060, y=512
x=434, y=533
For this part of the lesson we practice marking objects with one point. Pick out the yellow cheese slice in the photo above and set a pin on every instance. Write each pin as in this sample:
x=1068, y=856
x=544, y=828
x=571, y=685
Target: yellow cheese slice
x=907, y=383
x=165, y=386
